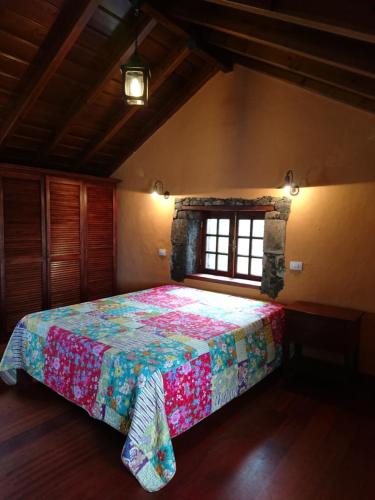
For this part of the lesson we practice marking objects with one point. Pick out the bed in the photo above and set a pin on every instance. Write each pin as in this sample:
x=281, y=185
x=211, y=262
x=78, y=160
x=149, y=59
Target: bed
x=151, y=364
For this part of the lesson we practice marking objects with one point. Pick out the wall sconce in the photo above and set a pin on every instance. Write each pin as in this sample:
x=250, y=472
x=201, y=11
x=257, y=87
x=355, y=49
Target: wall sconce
x=290, y=187
x=158, y=190
x=135, y=76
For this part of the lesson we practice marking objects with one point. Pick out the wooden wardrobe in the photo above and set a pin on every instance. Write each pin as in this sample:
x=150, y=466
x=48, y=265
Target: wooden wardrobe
x=57, y=241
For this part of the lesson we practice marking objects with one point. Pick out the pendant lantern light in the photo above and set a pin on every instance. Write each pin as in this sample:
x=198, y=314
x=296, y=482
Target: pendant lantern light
x=135, y=76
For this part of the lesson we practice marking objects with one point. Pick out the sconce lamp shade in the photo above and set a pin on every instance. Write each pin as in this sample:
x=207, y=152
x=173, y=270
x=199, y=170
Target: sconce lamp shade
x=135, y=79
x=158, y=190
x=289, y=185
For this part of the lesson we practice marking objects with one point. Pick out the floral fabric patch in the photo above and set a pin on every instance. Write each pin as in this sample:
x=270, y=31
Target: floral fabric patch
x=192, y=325
x=34, y=349
x=275, y=315
x=224, y=387
x=162, y=298
x=223, y=353
x=73, y=366
x=188, y=394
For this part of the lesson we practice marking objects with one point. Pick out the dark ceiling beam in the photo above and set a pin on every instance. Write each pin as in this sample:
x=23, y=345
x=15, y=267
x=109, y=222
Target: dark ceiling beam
x=166, y=68
x=168, y=110
x=307, y=83
x=339, y=51
x=174, y=27
x=305, y=16
x=61, y=38
x=325, y=73
x=122, y=51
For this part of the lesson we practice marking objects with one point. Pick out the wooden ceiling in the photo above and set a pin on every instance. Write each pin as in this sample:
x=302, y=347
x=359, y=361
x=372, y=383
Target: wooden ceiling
x=60, y=90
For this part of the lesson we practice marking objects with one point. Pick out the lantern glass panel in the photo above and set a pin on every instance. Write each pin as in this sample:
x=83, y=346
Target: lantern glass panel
x=134, y=83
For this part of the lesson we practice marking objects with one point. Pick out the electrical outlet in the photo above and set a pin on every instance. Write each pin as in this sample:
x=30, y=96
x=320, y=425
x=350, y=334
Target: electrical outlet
x=162, y=252
x=295, y=265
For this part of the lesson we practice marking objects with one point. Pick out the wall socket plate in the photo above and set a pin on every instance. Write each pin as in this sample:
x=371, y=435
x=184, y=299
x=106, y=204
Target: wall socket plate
x=162, y=252
x=295, y=265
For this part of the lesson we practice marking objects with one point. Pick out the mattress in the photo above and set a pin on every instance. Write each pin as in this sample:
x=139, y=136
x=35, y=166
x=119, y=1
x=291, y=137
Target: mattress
x=151, y=364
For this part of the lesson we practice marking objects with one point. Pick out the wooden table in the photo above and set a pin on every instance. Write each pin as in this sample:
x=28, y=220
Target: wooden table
x=326, y=328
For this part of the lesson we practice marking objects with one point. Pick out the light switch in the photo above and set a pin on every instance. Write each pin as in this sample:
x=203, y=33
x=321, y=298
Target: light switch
x=162, y=252
x=295, y=265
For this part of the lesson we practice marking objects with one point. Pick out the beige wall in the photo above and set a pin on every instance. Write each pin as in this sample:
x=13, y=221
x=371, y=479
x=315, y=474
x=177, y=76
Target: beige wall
x=236, y=138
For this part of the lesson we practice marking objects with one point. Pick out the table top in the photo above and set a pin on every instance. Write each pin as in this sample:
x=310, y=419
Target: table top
x=325, y=310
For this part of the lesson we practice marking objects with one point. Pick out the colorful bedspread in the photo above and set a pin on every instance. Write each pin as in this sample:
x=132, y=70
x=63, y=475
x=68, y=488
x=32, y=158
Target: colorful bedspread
x=151, y=364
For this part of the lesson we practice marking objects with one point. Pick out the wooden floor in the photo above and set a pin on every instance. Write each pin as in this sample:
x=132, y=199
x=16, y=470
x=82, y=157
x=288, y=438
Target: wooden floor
x=277, y=442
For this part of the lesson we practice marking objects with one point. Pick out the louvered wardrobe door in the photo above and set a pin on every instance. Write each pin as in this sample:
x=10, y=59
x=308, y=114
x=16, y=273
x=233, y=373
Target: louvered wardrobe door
x=64, y=228
x=23, y=243
x=100, y=240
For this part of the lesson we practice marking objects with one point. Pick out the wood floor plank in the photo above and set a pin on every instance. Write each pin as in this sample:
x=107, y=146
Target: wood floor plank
x=277, y=442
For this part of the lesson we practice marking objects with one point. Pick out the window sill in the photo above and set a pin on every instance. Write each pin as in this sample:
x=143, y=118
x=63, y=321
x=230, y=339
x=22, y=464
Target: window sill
x=224, y=280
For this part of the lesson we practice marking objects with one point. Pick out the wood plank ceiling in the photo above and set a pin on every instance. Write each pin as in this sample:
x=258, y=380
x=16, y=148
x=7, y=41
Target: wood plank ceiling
x=60, y=90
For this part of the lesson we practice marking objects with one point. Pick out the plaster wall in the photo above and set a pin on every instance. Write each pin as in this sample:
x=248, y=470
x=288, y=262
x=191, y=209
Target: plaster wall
x=236, y=138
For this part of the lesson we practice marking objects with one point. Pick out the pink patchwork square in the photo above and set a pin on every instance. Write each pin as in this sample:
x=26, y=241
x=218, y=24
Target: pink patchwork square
x=160, y=297
x=168, y=288
x=188, y=394
x=192, y=325
x=73, y=366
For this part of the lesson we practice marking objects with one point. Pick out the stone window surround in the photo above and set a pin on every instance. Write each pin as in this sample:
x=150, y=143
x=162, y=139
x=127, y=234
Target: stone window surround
x=186, y=232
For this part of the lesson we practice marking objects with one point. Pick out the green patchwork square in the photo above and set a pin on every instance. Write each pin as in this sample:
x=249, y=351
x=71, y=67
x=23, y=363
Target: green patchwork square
x=34, y=355
x=241, y=350
x=224, y=387
x=223, y=352
x=256, y=347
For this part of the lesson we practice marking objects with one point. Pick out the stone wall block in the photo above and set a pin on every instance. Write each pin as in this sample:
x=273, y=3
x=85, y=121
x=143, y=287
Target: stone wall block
x=283, y=205
x=178, y=262
x=194, y=215
x=266, y=278
x=264, y=200
x=280, y=266
x=192, y=257
x=207, y=201
x=179, y=231
x=274, y=236
x=273, y=275
x=273, y=215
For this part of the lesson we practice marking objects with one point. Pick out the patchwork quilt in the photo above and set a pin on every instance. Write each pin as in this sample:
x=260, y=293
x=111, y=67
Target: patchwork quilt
x=151, y=364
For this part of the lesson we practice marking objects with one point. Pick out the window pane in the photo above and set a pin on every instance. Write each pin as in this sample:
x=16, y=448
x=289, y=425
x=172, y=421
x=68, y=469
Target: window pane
x=210, y=261
x=243, y=265
x=257, y=248
x=258, y=228
x=244, y=227
x=256, y=267
x=243, y=246
x=223, y=245
x=211, y=226
x=224, y=226
x=222, y=262
x=211, y=243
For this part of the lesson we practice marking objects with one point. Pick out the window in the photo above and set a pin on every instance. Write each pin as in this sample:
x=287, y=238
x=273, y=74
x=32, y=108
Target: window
x=232, y=244
x=220, y=254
